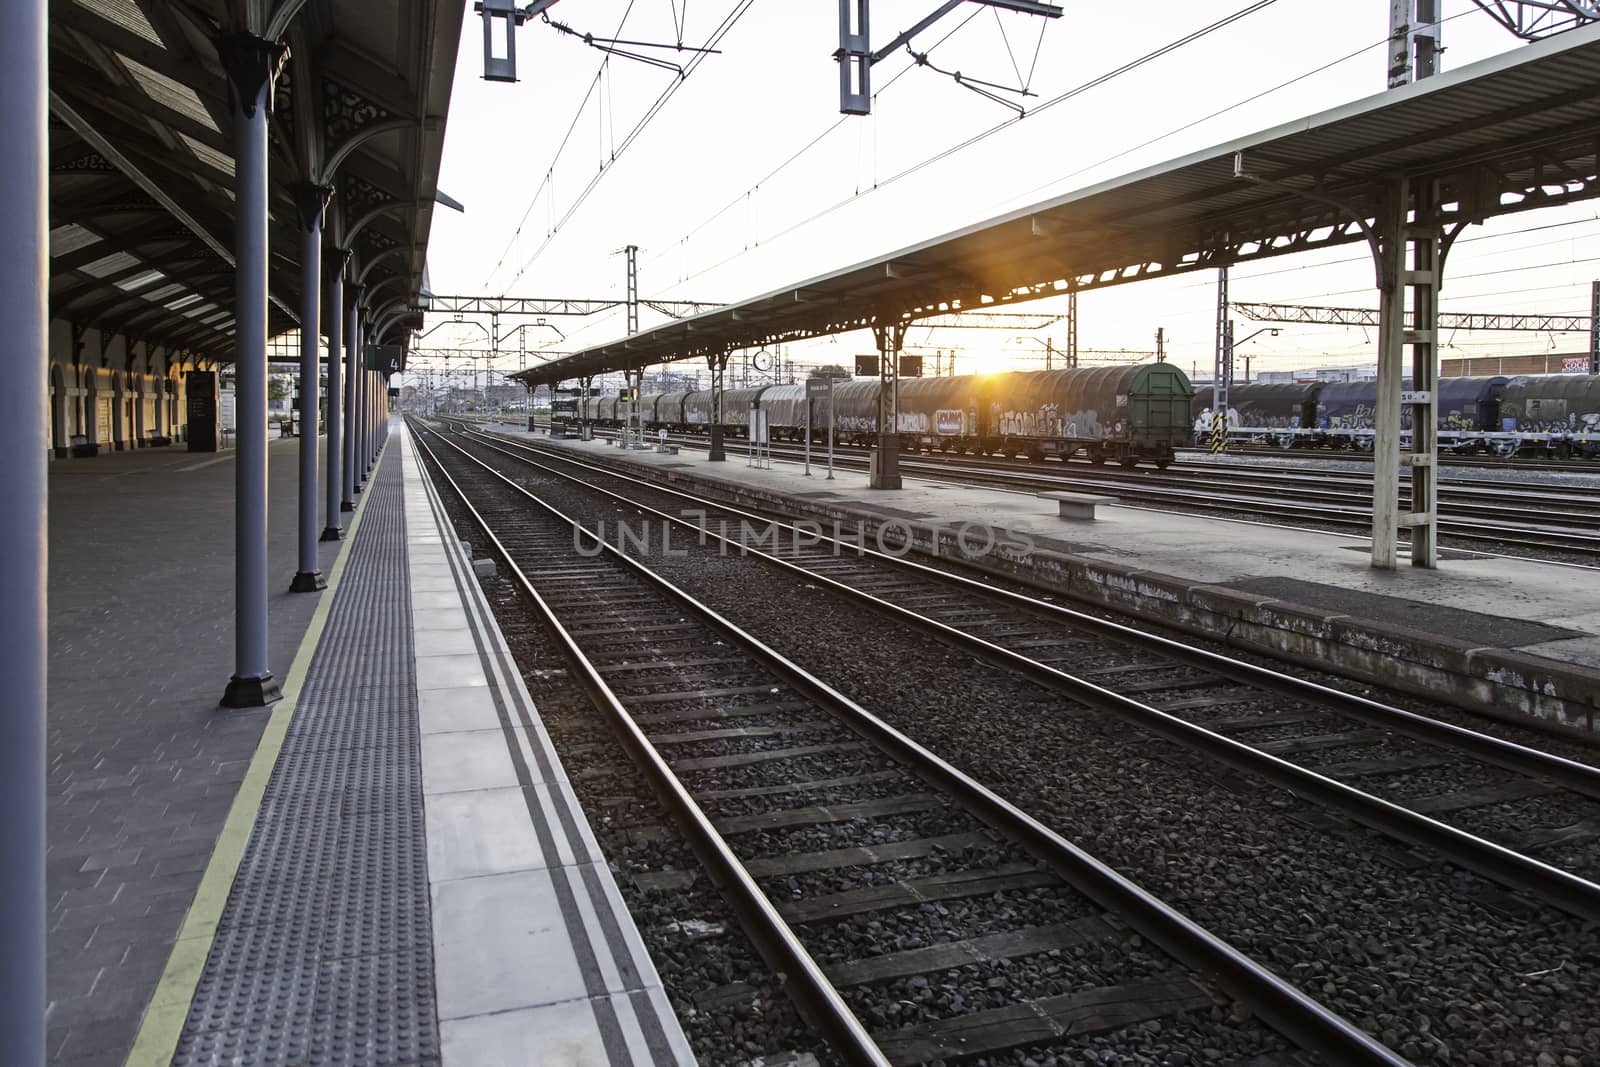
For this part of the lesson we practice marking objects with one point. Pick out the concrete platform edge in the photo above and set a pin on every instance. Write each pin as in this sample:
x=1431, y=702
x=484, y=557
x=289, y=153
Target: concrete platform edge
x=621, y=1009
x=1500, y=682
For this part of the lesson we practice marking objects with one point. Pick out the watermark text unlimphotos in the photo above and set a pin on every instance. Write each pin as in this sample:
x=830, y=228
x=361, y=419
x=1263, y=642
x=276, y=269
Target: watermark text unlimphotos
x=893, y=537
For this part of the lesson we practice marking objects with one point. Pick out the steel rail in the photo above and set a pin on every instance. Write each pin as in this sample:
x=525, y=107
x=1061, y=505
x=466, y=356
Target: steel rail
x=803, y=978
x=1354, y=516
x=1277, y=1001
x=1004, y=471
x=1575, y=895
x=1580, y=777
x=1194, y=457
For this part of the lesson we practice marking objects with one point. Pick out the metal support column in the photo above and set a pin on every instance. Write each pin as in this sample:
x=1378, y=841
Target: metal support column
x=1414, y=40
x=23, y=424
x=636, y=377
x=885, y=464
x=252, y=65
x=1391, y=353
x=364, y=442
x=348, y=444
x=312, y=200
x=1220, y=367
x=360, y=427
x=1423, y=279
x=374, y=411
x=332, y=531
x=1594, y=327
x=375, y=406
x=719, y=364
x=635, y=381
x=362, y=411
x=1410, y=260
x=1072, y=325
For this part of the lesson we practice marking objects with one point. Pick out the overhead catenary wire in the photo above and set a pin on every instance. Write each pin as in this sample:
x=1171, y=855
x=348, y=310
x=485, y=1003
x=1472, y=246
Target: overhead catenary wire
x=1069, y=94
x=549, y=175
x=983, y=135
x=726, y=26
x=809, y=145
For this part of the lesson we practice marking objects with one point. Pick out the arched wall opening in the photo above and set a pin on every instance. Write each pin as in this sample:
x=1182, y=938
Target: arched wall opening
x=58, y=412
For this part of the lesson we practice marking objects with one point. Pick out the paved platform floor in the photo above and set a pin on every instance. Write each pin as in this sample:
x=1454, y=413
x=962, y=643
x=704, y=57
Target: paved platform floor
x=1542, y=609
x=406, y=877
x=142, y=765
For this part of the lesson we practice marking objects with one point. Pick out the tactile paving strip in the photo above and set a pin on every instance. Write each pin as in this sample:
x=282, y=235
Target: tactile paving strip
x=324, y=953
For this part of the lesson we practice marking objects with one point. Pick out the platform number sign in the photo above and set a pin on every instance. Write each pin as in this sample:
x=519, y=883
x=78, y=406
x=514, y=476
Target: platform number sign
x=386, y=359
x=871, y=366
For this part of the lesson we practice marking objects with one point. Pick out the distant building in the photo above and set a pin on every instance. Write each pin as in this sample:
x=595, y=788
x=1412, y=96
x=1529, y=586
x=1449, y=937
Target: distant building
x=1345, y=374
x=1538, y=363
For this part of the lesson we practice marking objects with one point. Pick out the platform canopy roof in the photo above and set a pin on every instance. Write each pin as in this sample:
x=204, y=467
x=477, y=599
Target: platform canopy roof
x=1511, y=133
x=141, y=164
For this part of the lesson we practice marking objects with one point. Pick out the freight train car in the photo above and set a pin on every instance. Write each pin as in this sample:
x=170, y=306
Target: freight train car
x=786, y=406
x=1122, y=413
x=1541, y=414
x=667, y=414
x=735, y=410
x=1552, y=414
x=1276, y=412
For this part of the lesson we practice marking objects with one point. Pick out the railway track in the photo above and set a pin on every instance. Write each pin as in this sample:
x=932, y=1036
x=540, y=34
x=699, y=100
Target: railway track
x=1487, y=804
x=1553, y=519
x=1530, y=463
x=756, y=758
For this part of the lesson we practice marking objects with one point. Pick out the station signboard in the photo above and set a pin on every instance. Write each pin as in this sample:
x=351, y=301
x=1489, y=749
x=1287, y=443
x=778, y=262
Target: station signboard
x=386, y=359
x=869, y=366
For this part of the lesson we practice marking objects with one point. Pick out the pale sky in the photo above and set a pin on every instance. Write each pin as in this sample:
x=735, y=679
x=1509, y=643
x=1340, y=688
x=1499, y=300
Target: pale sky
x=747, y=178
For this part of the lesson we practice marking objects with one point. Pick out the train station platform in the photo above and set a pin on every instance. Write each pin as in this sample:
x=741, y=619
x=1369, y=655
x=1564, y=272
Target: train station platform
x=142, y=767
x=1508, y=636
x=401, y=874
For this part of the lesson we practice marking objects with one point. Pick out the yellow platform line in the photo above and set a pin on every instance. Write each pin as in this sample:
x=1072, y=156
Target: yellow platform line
x=162, y=1025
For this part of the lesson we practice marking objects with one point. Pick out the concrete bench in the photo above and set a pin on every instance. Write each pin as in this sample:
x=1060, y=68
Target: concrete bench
x=1076, y=505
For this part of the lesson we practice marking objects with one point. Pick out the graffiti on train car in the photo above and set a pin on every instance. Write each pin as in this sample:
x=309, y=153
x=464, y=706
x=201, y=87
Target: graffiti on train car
x=1552, y=416
x=948, y=422
x=1047, y=421
x=911, y=421
x=1361, y=417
